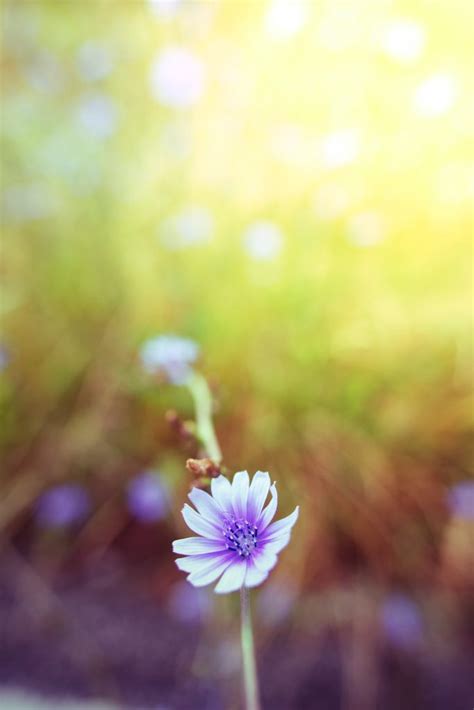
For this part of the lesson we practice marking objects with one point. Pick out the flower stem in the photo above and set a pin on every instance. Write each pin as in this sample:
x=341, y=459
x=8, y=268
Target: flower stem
x=202, y=397
x=248, y=654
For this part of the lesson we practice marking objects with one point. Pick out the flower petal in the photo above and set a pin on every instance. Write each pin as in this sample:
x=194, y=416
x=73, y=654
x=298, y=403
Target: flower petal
x=257, y=495
x=200, y=525
x=254, y=576
x=199, y=563
x=265, y=560
x=240, y=492
x=267, y=514
x=206, y=505
x=222, y=493
x=233, y=578
x=277, y=544
x=197, y=545
x=282, y=526
x=209, y=572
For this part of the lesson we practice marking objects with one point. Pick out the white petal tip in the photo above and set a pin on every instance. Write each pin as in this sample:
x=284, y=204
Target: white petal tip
x=252, y=585
x=196, y=584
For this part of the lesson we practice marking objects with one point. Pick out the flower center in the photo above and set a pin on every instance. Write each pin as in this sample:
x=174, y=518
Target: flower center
x=240, y=537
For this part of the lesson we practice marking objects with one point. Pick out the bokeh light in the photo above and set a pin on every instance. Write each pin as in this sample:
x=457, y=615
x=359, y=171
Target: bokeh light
x=147, y=497
x=63, y=505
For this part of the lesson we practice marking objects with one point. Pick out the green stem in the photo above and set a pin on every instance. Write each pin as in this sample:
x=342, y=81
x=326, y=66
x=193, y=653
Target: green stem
x=202, y=397
x=248, y=654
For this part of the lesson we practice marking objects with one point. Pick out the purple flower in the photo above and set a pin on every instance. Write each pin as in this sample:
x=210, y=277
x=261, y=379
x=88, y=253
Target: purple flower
x=461, y=500
x=4, y=357
x=169, y=355
x=236, y=536
x=147, y=498
x=401, y=622
x=62, y=505
x=189, y=604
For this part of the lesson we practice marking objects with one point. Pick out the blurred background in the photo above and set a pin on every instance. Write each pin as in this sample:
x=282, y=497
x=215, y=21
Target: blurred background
x=288, y=184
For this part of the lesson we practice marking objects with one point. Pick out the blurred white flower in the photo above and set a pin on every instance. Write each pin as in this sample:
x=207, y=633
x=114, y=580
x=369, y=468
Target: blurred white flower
x=366, y=229
x=94, y=61
x=285, y=18
x=98, y=114
x=263, y=240
x=403, y=40
x=190, y=227
x=340, y=148
x=169, y=355
x=177, y=77
x=165, y=9
x=435, y=96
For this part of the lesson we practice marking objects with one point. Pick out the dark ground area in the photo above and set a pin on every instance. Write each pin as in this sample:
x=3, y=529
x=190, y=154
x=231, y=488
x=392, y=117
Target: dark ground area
x=89, y=640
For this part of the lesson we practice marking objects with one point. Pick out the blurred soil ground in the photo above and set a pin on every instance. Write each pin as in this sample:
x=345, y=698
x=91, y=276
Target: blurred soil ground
x=87, y=641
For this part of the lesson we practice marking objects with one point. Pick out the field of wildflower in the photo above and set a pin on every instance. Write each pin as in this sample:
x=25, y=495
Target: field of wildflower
x=236, y=237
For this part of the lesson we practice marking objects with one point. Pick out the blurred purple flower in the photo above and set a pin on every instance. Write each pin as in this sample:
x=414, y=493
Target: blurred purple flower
x=62, y=505
x=147, y=497
x=169, y=355
x=238, y=541
x=401, y=621
x=4, y=357
x=461, y=500
x=188, y=603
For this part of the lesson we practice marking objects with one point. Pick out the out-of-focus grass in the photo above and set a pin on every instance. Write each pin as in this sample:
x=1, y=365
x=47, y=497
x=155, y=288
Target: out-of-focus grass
x=338, y=348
